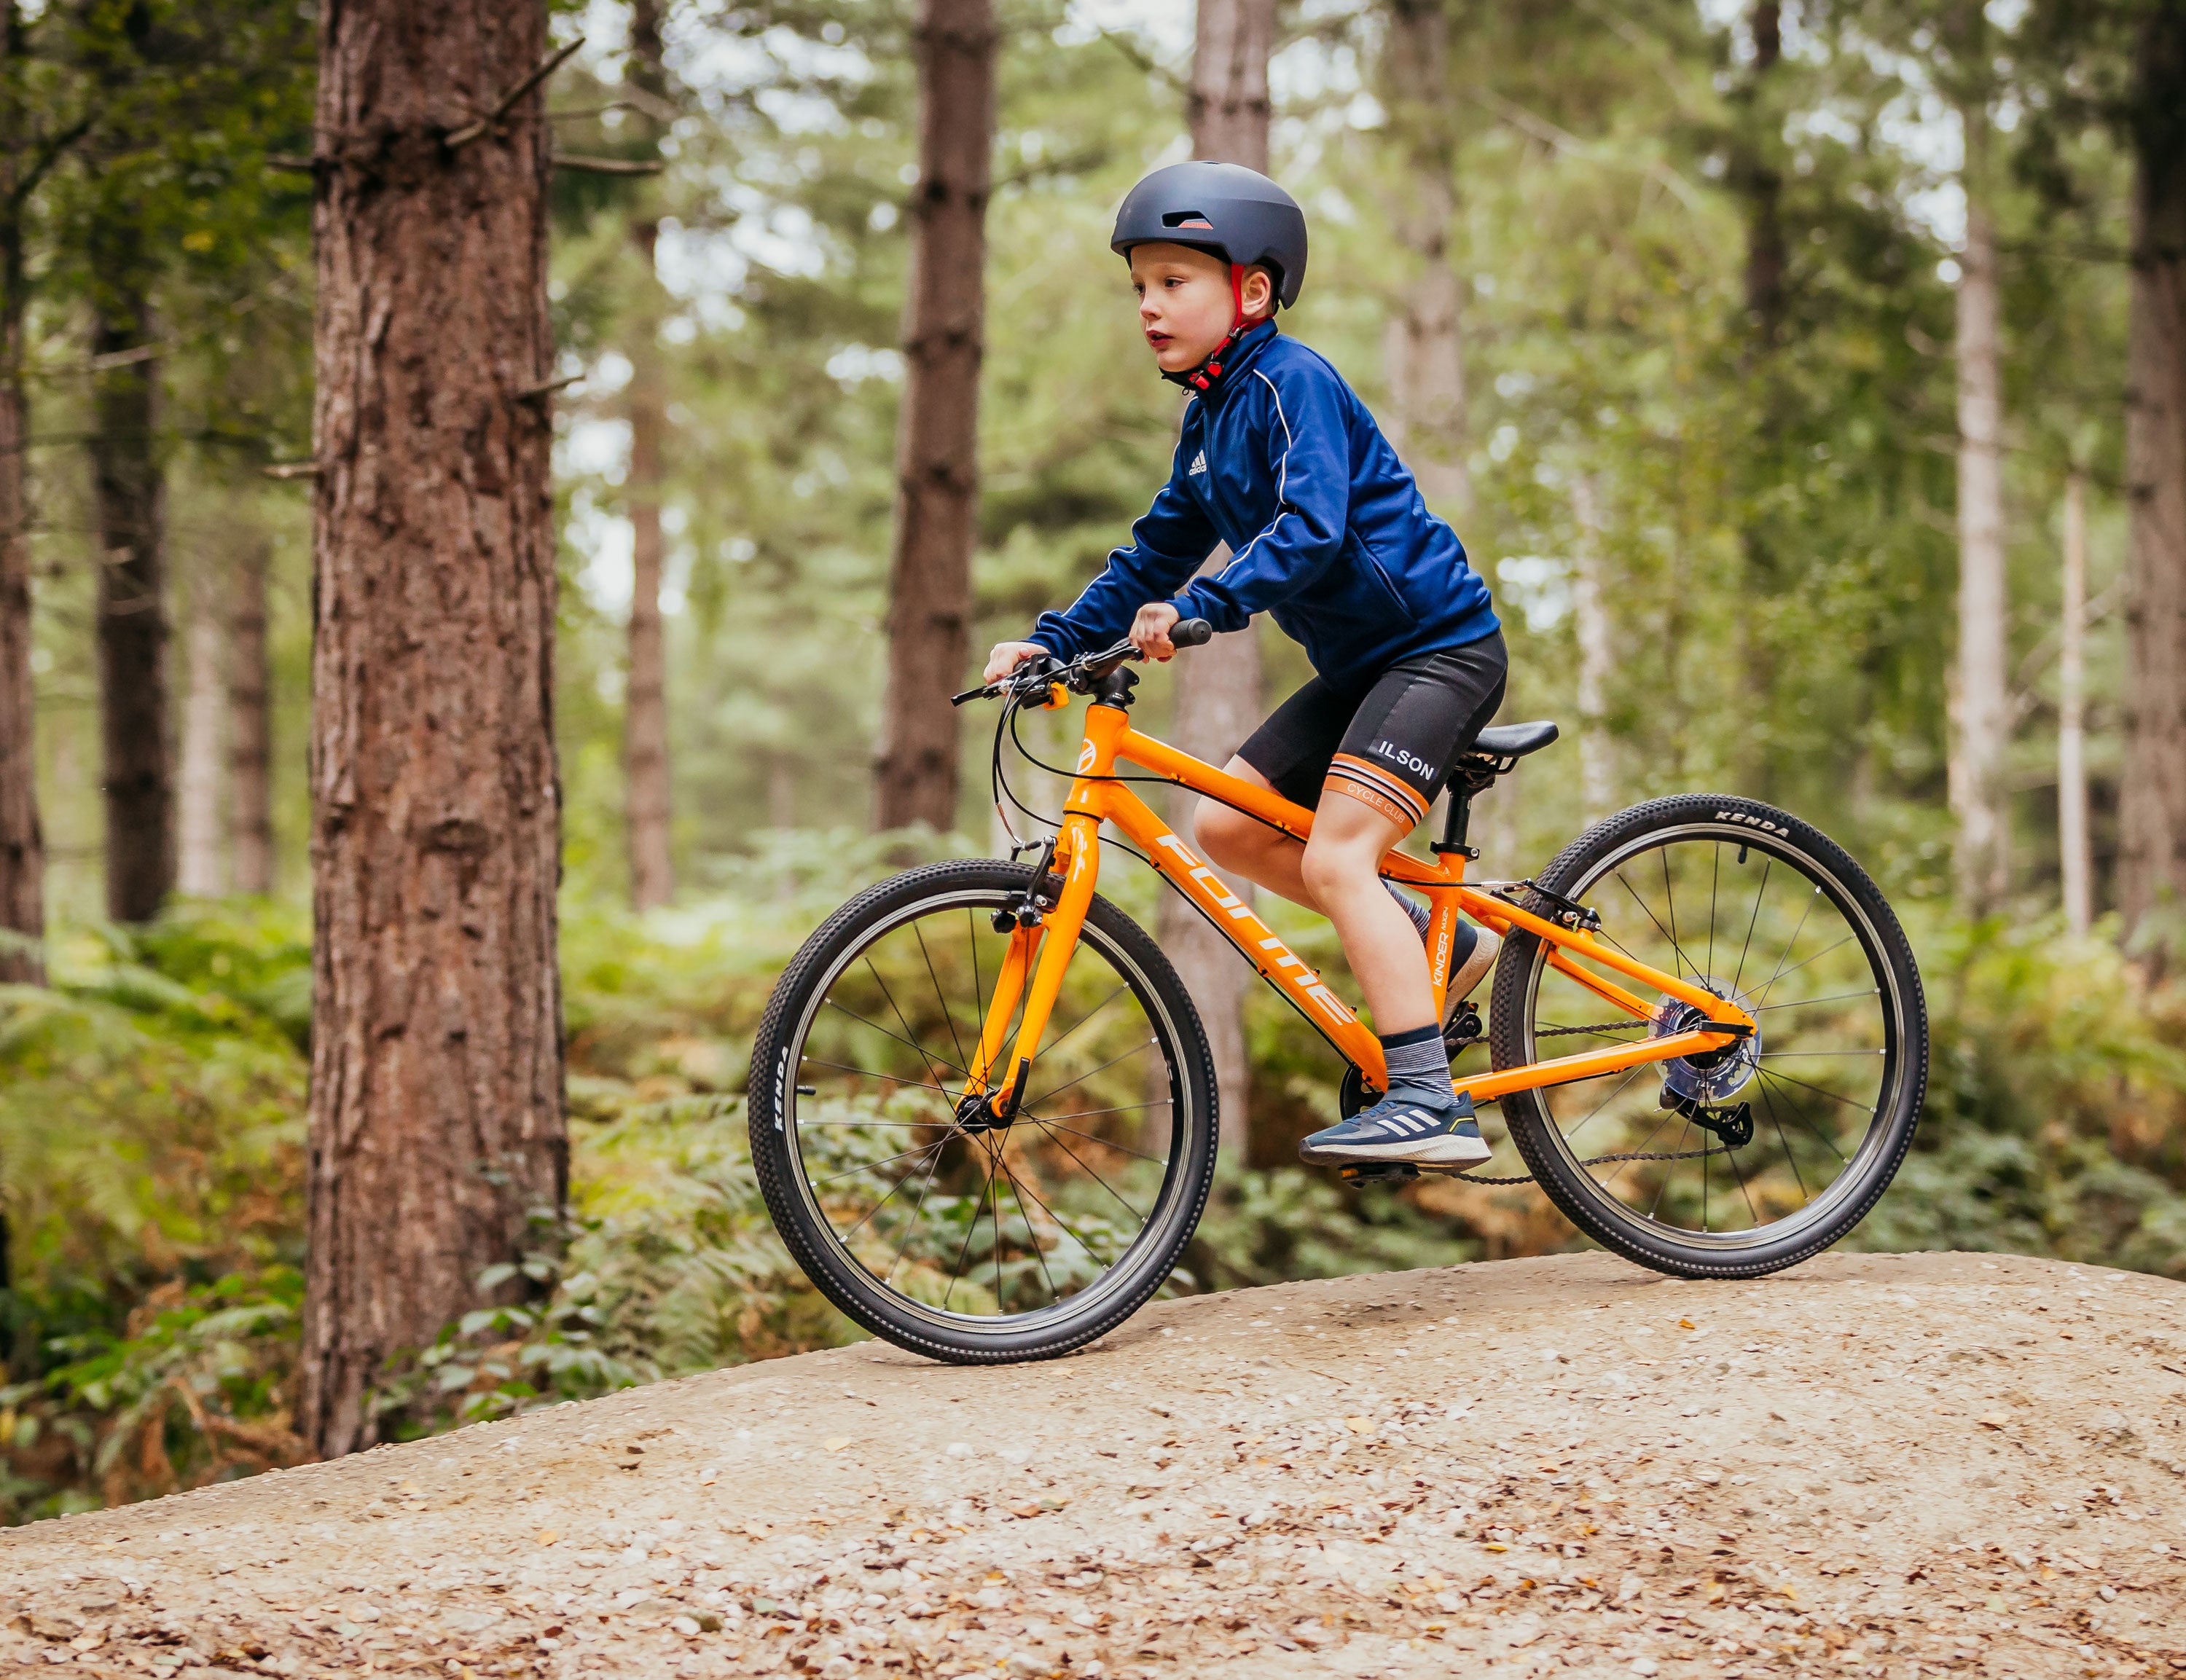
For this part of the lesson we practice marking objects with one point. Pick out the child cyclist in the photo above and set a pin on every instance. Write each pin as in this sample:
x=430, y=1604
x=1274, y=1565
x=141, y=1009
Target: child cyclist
x=1279, y=459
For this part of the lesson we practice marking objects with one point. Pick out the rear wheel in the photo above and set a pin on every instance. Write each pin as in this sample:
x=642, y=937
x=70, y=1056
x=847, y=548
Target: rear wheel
x=1752, y=1158
x=1020, y=1242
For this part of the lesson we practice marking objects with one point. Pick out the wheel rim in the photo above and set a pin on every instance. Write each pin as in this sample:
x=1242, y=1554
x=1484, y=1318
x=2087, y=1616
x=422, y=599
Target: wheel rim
x=1003, y=1233
x=1823, y=1081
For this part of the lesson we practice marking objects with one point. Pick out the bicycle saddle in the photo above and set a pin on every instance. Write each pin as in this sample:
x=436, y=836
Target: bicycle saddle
x=1515, y=741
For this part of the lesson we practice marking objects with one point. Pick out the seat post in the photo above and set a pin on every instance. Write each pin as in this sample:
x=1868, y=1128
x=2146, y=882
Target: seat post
x=1457, y=821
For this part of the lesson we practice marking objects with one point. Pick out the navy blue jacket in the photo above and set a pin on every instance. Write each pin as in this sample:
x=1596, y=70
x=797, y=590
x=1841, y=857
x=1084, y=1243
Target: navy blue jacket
x=1282, y=461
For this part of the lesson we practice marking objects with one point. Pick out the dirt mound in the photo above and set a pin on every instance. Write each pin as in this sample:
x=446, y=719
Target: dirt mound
x=1866, y=1464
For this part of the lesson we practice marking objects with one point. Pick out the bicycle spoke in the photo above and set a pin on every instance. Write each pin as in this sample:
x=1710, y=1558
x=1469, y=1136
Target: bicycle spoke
x=937, y=998
x=1075, y=1234
x=931, y=1125
x=1603, y=1103
x=1778, y=973
x=956, y=1275
x=1096, y=1178
x=871, y=1073
x=1625, y=1167
x=1770, y=1074
x=1767, y=864
x=1139, y=1050
x=1670, y=905
x=1776, y=1120
x=1123, y=1149
x=1778, y=1055
x=875, y=1166
x=1803, y=1003
x=917, y=1208
x=1803, y=961
x=1088, y=1016
x=889, y=1197
x=876, y=1027
x=1657, y=921
x=1755, y=1213
x=924, y=1055
x=1715, y=881
x=1683, y=1132
x=1025, y=1213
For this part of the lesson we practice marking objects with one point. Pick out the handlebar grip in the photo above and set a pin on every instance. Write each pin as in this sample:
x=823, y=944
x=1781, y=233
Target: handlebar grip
x=1190, y=633
x=969, y=694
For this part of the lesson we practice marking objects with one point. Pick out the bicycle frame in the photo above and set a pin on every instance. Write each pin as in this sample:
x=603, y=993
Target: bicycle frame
x=1033, y=969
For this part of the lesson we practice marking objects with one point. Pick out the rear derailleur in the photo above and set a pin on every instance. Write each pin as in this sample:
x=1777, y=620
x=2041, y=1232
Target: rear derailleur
x=1734, y=1126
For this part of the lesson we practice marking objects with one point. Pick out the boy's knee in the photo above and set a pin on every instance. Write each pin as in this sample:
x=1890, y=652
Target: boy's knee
x=1222, y=833
x=1330, y=861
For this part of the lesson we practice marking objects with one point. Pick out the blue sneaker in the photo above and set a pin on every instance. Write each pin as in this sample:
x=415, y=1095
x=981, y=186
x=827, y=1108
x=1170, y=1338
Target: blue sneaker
x=1398, y=1128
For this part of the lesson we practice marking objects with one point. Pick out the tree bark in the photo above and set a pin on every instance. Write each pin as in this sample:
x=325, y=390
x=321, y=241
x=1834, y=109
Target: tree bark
x=645, y=701
x=198, y=867
x=1760, y=180
x=1423, y=345
x=129, y=500
x=22, y=843
x=2075, y=857
x=1981, y=700
x=937, y=434
x=1597, y=656
x=436, y=1131
x=2152, y=854
x=1218, y=686
x=249, y=728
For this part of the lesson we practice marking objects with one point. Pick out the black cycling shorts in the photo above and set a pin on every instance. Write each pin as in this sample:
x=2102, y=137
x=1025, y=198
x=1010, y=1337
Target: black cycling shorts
x=1390, y=745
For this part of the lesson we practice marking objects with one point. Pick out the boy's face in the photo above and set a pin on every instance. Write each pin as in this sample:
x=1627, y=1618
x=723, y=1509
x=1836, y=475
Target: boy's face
x=1185, y=304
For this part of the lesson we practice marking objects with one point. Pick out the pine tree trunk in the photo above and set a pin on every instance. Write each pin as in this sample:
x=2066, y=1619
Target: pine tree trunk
x=129, y=497
x=1756, y=172
x=645, y=701
x=197, y=869
x=2076, y=860
x=250, y=727
x=1423, y=347
x=1982, y=702
x=2152, y=855
x=22, y=845
x=1597, y=653
x=436, y=1119
x=937, y=434
x=1218, y=686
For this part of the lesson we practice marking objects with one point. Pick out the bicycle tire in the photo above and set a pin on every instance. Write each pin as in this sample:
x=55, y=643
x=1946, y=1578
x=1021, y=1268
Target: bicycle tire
x=1561, y=1173
x=775, y=1140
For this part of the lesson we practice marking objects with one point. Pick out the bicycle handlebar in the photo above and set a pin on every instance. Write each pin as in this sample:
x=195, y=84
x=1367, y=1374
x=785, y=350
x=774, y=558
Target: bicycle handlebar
x=1186, y=633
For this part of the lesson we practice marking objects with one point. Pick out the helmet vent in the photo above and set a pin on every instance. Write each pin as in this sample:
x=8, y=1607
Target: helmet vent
x=1187, y=219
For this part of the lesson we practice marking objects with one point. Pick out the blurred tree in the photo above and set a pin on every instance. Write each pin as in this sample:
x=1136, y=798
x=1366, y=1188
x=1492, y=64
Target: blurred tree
x=937, y=437
x=645, y=701
x=249, y=724
x=1423, y=355
x=437, y=1137
x=2152, y=865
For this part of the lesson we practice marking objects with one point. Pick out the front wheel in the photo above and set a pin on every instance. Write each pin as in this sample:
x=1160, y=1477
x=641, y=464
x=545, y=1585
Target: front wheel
x=1745, y=1160
x=1020, y=1242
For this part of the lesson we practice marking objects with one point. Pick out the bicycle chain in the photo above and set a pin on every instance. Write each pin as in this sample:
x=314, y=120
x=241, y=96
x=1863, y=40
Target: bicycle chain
x=1593, y=1161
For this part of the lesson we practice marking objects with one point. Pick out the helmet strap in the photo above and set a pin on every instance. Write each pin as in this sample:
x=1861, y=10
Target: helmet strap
x=1203, y=378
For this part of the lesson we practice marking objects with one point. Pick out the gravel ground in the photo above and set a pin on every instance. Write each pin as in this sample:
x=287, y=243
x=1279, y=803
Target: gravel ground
x=1870, y=1465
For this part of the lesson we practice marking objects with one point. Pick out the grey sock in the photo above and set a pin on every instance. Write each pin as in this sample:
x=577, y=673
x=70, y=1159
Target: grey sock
x=1419, y=1067
x=1419, y=914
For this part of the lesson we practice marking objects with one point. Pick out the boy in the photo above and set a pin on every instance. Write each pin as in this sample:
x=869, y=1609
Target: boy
x=1279, y=459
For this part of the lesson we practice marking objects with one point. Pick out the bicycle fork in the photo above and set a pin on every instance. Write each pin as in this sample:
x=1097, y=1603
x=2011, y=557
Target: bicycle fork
x=1032, y=974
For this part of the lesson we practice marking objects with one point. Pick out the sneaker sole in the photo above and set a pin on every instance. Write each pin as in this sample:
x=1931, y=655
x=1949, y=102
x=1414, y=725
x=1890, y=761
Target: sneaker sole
x=1427, y=1153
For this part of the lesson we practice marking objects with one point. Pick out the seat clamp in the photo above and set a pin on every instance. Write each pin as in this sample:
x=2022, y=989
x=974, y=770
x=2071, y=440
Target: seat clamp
x=1441, y=851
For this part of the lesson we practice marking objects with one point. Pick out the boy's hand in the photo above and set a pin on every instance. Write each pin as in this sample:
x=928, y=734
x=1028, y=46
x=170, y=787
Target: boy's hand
x=1008, y=656
x=1150, y=630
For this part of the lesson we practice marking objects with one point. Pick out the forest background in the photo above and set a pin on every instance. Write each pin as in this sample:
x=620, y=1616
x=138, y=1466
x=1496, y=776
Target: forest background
x=1696, y=290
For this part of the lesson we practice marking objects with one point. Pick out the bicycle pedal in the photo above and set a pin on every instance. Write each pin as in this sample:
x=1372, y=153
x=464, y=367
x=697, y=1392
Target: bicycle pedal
x=1360, y=1173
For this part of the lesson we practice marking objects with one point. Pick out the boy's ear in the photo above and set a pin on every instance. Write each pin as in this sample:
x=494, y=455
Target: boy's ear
x=1258, y=293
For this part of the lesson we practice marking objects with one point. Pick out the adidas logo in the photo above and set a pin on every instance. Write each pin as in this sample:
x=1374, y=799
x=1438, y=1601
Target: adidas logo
x=1198, y=465
x=1411, y=1123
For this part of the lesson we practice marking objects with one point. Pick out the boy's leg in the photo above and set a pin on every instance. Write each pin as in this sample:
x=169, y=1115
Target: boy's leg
x=1341, y=869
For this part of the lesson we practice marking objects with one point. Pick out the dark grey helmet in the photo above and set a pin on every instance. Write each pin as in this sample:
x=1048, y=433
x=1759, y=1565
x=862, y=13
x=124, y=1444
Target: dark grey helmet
x=1249, y=219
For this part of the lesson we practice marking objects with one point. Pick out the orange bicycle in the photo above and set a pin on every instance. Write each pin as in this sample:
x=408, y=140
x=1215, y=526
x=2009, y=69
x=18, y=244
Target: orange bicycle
x=983, y=1106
